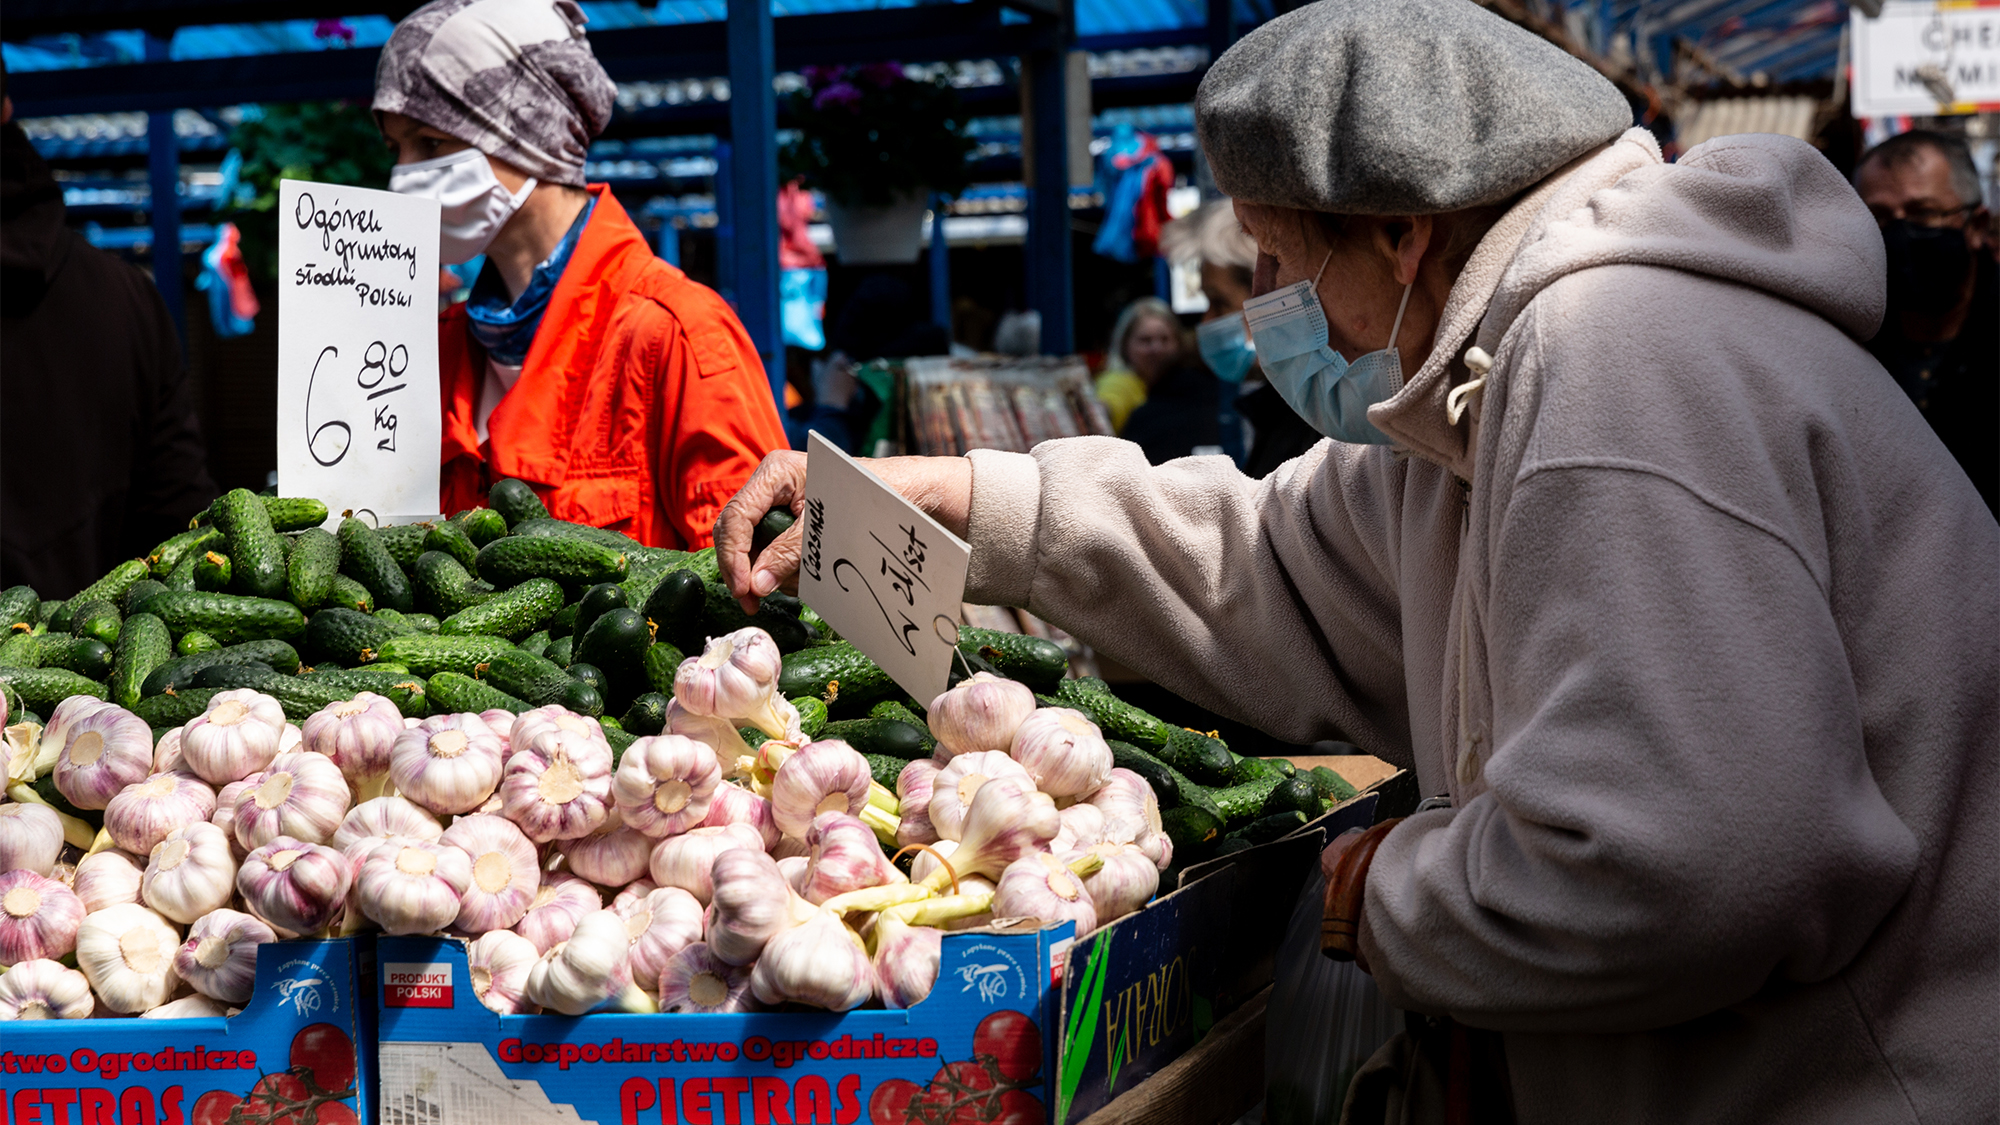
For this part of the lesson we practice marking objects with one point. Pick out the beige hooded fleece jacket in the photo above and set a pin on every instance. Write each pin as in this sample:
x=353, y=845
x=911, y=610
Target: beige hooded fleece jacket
x=1693, y=617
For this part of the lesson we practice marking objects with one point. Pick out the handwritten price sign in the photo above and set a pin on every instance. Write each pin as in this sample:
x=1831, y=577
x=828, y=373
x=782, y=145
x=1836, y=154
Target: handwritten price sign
x=880, y=571
x=358, y=414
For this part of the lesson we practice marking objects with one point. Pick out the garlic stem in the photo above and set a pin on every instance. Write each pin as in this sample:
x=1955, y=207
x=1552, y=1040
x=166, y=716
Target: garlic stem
x=942, y=909
x=883, y=824
x=882, y=797
x=869, y=900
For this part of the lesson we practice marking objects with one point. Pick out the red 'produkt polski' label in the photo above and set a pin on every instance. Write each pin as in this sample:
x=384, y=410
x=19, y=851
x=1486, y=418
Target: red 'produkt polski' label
x=416, y=985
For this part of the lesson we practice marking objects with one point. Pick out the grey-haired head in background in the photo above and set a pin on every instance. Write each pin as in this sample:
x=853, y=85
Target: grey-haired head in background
x=512, y=78
x=1397, y=107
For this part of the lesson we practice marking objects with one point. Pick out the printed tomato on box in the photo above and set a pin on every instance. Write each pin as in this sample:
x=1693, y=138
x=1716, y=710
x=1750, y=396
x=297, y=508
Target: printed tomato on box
x=973, y=1051
x=297, y=1054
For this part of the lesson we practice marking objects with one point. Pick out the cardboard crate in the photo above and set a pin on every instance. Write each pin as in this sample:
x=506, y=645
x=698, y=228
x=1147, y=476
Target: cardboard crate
x=445, y=1059
x=302, y=1043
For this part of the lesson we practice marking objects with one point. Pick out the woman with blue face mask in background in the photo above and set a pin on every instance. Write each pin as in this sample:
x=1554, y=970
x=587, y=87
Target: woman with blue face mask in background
x=627, y=395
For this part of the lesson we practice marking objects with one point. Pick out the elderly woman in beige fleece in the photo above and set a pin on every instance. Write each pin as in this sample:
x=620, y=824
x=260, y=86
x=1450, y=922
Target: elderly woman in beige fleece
x=1625, y=544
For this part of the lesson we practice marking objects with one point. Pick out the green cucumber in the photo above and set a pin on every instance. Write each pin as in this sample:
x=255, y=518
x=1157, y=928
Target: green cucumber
x=181, y=671
x=141, y=590
x=194, y=642
x=776, y=522
x=596, y=601
x=1197, y=755
x=535, y=643
x=512, y=614
x=812, y=716
x=562, y=650
x=226, y=617
x=427, y=656
x=418, y=622
x=563, y=624
x=211, y=571
x=516, y=501
x=1293, y=795
x=647, y=715
x=456, y=693
x=896, y=709
x=407, y=691
x=256, y=550
x=1330, y=785
x=181, y=578
x=143, y=646
x=705, y=564
x=172, y=709
x=1241, y=804
x=86, y=656
x=110, y=588
x=98, y=620
x=1193, y=830
x=590, y=674
x=644, y=568
x=22, y=649
x=484, y=525
x=885, y=769
x=404, y=542
x=366, y=559
x=1164, y=780
x=1115, y=717
x=1251, y=769
x=778, y=615
x=18, y=606
x=617, y=643
x=561, y=529
x=663, y=660
x=452, y=540
x=1038, y=663
x=526, y=676
x=300, y=697
x=1276, y=826
x=620, y=740
x=42, y=688
x=675, y=608
x=516, y=559
x=294, y=513
x=228, y=677
x=346, y=593
x=582, y=698
x=312, y=566
x=347, y=636
x=880, y=736
x=837, y=673
x=444, y=586
x=193, y=541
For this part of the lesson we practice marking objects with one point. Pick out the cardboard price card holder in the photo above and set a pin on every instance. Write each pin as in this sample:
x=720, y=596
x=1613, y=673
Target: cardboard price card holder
x=300, y=1053
x=979, y=1047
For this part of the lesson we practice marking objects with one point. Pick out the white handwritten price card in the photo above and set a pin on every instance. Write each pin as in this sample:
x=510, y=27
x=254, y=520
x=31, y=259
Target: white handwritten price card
x=358, y=414
x=880, y=571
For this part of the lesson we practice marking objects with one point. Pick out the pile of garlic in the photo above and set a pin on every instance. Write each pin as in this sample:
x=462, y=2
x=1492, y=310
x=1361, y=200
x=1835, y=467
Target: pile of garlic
x=689, y=874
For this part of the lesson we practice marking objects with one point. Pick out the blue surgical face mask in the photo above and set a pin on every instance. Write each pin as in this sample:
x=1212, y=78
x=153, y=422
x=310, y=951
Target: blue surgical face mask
x=1226, y=345
x=1332, y=395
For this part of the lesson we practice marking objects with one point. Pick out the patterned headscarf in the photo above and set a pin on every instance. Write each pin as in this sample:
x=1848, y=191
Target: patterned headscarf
x=512, y=78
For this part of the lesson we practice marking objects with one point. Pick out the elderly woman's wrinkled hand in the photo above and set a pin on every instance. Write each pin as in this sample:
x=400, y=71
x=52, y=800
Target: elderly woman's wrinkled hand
x=780, y=482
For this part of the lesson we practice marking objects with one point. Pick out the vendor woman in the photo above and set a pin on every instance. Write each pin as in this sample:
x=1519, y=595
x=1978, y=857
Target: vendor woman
x=1623, y=544
x=629, y=396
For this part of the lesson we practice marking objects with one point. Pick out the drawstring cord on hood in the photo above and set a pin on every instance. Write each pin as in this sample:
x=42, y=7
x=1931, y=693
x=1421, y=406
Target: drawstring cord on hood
x=1456, y=401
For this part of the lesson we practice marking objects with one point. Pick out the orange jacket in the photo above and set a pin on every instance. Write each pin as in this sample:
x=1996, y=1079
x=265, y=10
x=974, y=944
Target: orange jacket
x=642, y=405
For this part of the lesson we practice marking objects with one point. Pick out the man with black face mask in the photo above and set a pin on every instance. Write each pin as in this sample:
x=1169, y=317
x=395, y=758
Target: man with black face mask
x=1938, y=338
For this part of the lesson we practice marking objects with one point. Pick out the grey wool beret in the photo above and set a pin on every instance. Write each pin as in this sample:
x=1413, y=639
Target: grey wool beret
x=1397, y=107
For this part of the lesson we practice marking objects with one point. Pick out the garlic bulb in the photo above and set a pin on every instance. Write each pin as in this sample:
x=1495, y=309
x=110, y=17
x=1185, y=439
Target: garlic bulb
x=665, y=784
x=695, y=980
x=981, y=713
x=357, y=735
x=294, y=885
x=506, y=872
x=219, y=957
x=141, y=815
x=189, y=873
x=819, y=962
x=38, y=917
x=733, y=804
x=795, y=869
x=31, y=838
x=412, y=886
x=128, y=954
x=499, y=963
x=105, y=749
x=302, y=795
x=224, y=816
x=953, y=788
x=592, y=966
x=685, y=860
x=828, y=776
x=383, y=817
x=186, y=1008
x=1008, y=819
x=789, y=846
x=529, y=727
x=734, y=678
x=752, y=903
x=55, y=735
x=1041, y=886
x=237, y=736
x=612, y=856
x=845, y=857
x=167, y=755
x=1130, y=808
x=557, y=786
x=633, y=892
x=1063, y=751
x=447, y=763
x=931, y=858
x=1126, y=882
x=44, y=990
x=560, y=902
x=906, y=956
x=659, y=926
x=1082, y=826
x=107, y=878
x=913, y=793
x=719, y=735
x=1158, y=847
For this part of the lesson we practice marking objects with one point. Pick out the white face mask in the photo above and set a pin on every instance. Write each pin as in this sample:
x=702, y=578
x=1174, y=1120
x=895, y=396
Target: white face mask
x=475, y=203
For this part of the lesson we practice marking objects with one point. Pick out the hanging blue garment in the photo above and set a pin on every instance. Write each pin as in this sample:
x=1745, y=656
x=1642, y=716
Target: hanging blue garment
x=802, y=307
x=506, y=329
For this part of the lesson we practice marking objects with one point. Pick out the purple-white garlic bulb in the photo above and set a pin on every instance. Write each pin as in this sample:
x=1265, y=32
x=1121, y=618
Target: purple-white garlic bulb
x=31, y=838
x=845, y=857
x=105, y=748
x=499, y=963
x=531, y=726
x=1082, y=826
x=735, y=678
x=447, y=763
x=107, y=878
x=560, y=902
x=591, y=966
x=1042, y=886
x=752, y=903
x=659, y=926
x=38, y=918
x=237, y=736
x=665, y=784
x=732, y=755
x=1131, y=811
x=141, y=815
x=294, y=885
x=167, y=754
x=612, y=856
x=224, y=816
x=826, y=776
x=302, y=795
x=733, y=804
x=953, y=788
x=980, y=714
x=44, y=990
x=384, y=817
x=1126, y=881
x=506, y=872
x=357, y=735
x=128, y=954
x=819, y=962
x=1063, y=751
x=913, y=793
x=412, y=886
x=685, y=860
x=696, y=980
x=557, y=786
x=906, y=954
x=1008, y=819
x=219, y=957
x=189, y=873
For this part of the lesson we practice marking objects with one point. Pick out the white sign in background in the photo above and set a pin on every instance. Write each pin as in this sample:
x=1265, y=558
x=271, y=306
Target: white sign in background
x=358, y=413
x=887, y=576
x=1926, y=58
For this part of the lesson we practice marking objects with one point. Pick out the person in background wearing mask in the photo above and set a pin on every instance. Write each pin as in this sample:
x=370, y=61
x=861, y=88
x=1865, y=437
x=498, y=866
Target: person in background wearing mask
x=1145, y=342
x=1623, y=545
x=1940, y=339
x=103, y=456
x=1227, y=255
x=629, y=396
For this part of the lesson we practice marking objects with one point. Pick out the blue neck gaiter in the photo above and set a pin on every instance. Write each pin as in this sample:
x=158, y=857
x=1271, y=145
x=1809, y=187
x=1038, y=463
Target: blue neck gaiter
x=506, y=329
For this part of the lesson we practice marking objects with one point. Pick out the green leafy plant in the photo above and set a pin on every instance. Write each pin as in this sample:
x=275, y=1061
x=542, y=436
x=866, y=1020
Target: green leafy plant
x=868, y=134
x=331, y=142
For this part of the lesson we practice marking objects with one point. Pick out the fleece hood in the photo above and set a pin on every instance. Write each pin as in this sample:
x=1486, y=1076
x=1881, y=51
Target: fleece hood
x=1760, y=210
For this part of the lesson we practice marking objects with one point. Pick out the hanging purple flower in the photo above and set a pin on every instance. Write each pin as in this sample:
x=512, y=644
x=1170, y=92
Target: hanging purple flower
x=820, y=77
x=882, y=75
x=843, y=94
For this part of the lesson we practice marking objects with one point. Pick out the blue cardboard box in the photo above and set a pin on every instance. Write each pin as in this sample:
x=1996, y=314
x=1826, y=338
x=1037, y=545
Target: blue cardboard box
x=299, y=1053
x=978, y=1048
